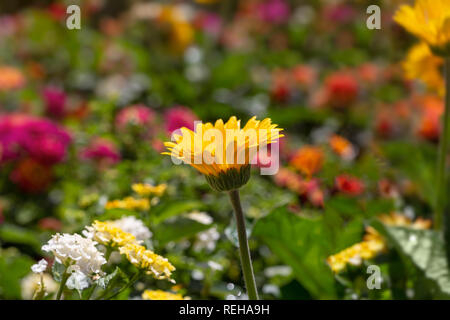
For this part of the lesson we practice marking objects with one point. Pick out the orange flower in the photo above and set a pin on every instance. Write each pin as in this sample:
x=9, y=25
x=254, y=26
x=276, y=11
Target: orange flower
x=429, y=126
x=308, y=160
x=304, y=75
x=10, y=78
x=342, y=147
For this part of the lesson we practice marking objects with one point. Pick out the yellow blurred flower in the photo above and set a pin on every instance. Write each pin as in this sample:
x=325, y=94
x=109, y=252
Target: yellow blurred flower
x=182, y=35
x=10, y=78
x=129, y=203
x=428, y=20
x=180, y=29
x=421, y=64
x=223, y=151
x=206, y=1
x=107, y=233
x=399, y=220
x=308, y=160
x=147, y=260
x=373, y=243
x=145, y=189
x=355, y=254
x=160, y=295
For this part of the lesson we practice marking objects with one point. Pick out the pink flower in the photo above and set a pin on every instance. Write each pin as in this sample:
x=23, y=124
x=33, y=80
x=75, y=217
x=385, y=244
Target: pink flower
x=178, y=117
x=101, y=151
x=136, y=115
x=209, y=22
x=340, y=13
x=273, y=11
x=55, y=100
x=38, y=138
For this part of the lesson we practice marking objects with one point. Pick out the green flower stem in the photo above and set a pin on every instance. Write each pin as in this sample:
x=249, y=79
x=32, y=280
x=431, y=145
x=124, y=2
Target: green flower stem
x=64, y=278
x=441, y=184
x=108, y=252
x=246, y=261
x=91, y=292
x=129, y=284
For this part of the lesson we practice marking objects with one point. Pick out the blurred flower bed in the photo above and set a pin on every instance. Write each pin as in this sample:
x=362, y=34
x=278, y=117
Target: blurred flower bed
x=84, y=115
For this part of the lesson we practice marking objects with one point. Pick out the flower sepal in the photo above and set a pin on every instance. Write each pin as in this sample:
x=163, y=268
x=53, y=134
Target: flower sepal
x=230, y=179
x=441, y=51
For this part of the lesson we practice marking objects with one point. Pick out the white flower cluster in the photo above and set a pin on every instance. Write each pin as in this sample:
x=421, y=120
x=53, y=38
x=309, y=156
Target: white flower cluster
x=134, y=226
x=78, y=252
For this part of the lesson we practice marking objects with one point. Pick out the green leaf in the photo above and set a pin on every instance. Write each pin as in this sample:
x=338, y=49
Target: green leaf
x=303, y=244
x=17, y=235
x=58, y=270
x=178, y=229
x=172, y=209
x=13, y=268
x=425, y=249
x=116, y=278
x=417, y=161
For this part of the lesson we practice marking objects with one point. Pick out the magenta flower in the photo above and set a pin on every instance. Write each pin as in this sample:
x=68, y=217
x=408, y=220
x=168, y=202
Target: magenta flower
x=55, y=101
x=178, y=117
x=136, y=115
x=38, y=138
x=101, y=151
x=210, y=23
x=274, y=11
x=340, y=13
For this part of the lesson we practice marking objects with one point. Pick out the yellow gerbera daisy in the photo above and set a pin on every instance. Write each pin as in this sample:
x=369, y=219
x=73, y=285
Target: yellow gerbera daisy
x=421, y=64
x=428, y=20
x=223, y=151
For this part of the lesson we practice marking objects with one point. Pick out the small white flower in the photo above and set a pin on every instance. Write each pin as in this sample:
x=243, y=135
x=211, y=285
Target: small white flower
x=134, y=226
x=73, y=249
x=207, y=240
x=33, y=282
x=200, y=217
x=78, y=280
x=39, y=267
x=215, y=266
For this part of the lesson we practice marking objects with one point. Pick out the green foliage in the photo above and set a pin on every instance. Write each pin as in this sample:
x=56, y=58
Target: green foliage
x=301, y=243
x=13, y=268
x=425, y=250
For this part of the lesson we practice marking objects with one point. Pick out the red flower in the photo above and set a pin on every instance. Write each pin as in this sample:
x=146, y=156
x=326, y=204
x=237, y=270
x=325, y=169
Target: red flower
x=349, y=185
x=50, y=224
x=31, y=176
x=341, y=89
